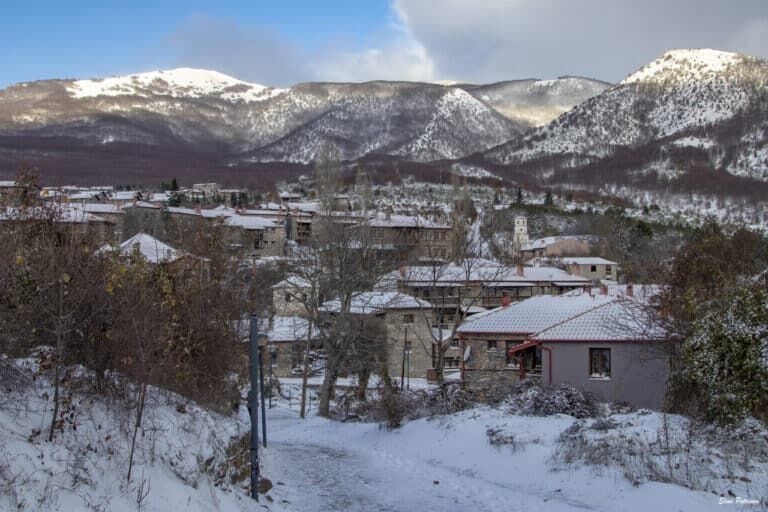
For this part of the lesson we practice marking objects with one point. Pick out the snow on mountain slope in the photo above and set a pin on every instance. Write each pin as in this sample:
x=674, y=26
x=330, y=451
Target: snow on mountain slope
x=719, y=96
x=209, y=111
x=179, y=83
x=415, y=121
x=686, y=64
x=536, y=102
x=455, y=128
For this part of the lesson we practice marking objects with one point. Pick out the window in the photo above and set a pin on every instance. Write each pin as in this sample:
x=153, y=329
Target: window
x=593, y=268
x=454, y=343
x=408, y=319
x=607, y=269
x=451, y=362
x=288, y=297
x=491, y=345
x=407, y=347
x=599, y=363
x=511, y=358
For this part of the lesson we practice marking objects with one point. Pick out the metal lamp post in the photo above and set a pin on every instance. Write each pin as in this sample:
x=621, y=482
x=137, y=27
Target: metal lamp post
x=253, y=403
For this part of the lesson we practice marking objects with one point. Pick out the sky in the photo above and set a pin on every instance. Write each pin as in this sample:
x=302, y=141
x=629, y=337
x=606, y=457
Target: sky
x=281, y=43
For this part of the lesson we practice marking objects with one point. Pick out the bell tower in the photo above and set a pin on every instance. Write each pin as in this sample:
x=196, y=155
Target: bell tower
x=521, y=232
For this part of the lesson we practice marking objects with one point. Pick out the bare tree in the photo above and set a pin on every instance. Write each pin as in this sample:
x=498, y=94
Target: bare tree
x=454, y=288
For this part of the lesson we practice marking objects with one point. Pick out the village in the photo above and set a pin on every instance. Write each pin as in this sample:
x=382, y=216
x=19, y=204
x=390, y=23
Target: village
x=555, y=314
x=368, y=310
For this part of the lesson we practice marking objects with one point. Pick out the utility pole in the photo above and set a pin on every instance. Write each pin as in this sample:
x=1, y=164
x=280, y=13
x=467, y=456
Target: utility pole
x=271, y=365
x=263, y=407
x=253, y=404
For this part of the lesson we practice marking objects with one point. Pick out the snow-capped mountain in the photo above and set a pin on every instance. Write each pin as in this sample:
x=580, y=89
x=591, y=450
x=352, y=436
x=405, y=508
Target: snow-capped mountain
x=413, y=120
x=209, y=111
x=713, y=105
x=537, y=102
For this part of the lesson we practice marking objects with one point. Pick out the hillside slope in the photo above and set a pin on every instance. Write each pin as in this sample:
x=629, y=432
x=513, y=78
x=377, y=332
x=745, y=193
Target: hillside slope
x=712, y=104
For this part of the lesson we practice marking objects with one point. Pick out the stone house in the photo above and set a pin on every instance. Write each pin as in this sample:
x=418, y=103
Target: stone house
x=413, y=238
x=455, y=288
x=8, y=190
x=405, y=324
x=590, y=267
x=110, y=212
x=286, y=342
x=246, y=235
x=606, y=343
x=566, y=245
x=289, y=296
x=95, y=227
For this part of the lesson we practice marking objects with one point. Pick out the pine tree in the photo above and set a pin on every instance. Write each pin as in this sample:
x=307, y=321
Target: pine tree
x=726, y=359
x=519, y=196
x=548, y=201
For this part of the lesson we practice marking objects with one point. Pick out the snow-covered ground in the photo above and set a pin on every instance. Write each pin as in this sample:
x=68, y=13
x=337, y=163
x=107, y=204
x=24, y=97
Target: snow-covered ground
x=180, y=449
x=481, y=459
x=449, y=463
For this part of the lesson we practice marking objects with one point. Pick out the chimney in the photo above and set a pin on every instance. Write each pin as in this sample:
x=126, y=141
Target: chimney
x=505, y=300
x=630, y=290
x=520, y=270
x=603, y=290
x=575, y=269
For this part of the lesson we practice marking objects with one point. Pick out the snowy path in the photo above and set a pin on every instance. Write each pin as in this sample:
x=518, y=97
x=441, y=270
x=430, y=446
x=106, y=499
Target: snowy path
x=353, y=478
x=446, y=465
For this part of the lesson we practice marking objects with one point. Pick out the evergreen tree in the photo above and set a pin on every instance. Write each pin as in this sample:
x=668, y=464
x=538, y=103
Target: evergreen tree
x=548, y=201
x=174, y=185
x=726, y=359
x=519, y=196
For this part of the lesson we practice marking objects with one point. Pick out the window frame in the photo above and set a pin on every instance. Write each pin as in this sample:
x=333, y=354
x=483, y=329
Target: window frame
x=593, y=375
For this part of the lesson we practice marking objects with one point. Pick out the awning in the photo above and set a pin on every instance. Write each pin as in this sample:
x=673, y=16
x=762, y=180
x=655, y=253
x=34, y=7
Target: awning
x=522, y=346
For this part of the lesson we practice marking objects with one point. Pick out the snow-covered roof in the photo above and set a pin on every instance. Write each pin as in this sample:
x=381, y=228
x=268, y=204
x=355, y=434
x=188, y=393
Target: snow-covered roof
x=91, y=194
x=621, y=319
x=289, y=328
x=483, y=271
x=405, y=221
x=307, y=206
x=570, y=260
x=7, y=183
x=292, y=282
x=124, y=195
x=541, y=243
x=587, y=260
x=141, y=204
x=230, y=216
x=249, y=222
x=150, y=248
x=62, y=213
x=369, y=303
x=543, y=312
x=160, y=196
x=99, y=208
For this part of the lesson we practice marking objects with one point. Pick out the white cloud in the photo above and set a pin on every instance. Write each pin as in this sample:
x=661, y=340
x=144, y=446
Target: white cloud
x=483, y=41
x=400, y=58
x=487, y=40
